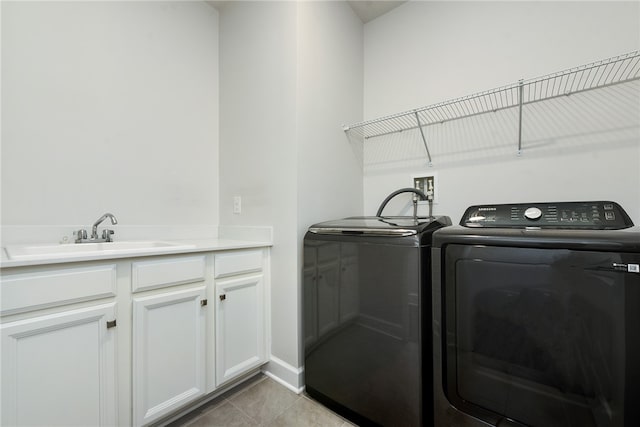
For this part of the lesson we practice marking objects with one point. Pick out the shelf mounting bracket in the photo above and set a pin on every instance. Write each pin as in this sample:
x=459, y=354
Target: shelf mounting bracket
x=520, y=101
x=424, y=140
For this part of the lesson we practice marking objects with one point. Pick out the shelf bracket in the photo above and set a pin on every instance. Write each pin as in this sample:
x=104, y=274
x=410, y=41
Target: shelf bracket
x=520, y=101
x=424, y=140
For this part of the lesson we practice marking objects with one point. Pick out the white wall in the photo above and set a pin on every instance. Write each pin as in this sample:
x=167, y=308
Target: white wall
x=585, y=148
x=290, y=74
x=258, y=146
x=330, y=94
x=109, y=106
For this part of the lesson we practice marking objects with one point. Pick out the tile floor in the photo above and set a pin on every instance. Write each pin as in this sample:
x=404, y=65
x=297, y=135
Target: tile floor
x=262, y=402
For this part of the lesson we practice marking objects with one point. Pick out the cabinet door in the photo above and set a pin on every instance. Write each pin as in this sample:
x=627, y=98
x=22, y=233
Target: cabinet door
x=59, y=369
x=168, y=352
x=240, y=343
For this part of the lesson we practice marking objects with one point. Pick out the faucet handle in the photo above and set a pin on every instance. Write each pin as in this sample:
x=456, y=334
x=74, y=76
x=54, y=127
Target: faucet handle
x=106, y=235
x=80, y=235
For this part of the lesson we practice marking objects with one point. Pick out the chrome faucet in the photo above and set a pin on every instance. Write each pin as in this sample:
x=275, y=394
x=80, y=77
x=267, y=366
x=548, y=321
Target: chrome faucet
x=81, y=235
x=94, y=229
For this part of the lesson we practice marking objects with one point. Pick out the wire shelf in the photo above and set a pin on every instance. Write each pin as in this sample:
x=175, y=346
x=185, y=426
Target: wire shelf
x=607, y=72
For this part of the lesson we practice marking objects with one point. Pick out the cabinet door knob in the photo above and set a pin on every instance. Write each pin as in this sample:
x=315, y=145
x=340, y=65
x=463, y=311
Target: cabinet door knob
x=203, y=302
x=223, y=297
x=111, y=324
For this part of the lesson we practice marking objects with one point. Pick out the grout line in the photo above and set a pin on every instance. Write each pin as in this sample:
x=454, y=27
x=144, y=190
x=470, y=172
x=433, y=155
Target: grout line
x=221, y=400
x=218, y=401
x=273, y=418
x=345, y=422
x=241, y=392
x=242, y=411
x=295, y=401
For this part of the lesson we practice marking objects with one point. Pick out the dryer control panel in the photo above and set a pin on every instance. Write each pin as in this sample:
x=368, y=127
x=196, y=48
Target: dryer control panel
x=601, y=215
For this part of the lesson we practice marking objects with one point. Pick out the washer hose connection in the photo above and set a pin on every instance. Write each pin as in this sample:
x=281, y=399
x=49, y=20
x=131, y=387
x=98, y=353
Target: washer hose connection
x=400, y=191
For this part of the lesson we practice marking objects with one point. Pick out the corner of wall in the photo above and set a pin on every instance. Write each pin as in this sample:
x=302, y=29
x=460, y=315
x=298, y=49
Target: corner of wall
x=285, y=374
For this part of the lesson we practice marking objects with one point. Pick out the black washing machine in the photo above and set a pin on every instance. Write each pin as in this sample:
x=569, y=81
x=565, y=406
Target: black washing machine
x=537, y=317
x=367, y=318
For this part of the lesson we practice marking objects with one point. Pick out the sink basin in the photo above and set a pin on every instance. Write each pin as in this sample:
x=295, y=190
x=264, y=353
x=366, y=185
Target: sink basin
x=47, y=251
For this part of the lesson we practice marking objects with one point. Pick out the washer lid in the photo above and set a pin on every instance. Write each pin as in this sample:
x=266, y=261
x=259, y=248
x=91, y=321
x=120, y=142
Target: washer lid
x=374, y=226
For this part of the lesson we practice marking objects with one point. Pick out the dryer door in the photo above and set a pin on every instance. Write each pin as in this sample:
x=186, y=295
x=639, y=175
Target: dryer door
x=543, y=337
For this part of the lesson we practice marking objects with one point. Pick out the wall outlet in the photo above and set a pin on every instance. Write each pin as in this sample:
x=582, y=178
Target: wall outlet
x=237, y=204
x=428, y=184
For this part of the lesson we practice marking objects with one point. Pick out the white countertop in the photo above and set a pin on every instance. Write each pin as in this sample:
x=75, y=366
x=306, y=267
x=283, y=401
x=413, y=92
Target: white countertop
x=195, y=246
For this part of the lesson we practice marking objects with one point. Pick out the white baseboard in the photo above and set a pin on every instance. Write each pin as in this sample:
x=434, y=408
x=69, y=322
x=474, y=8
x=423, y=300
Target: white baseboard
x=285, y=374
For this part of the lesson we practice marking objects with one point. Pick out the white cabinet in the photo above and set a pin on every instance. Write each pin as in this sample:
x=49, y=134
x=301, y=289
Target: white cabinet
x=168, y=352
x=65, y=363
x=240, y=314
x=59, y=369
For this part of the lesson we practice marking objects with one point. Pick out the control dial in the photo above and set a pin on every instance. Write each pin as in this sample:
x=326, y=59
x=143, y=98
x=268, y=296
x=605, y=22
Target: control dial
x=533, y=213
